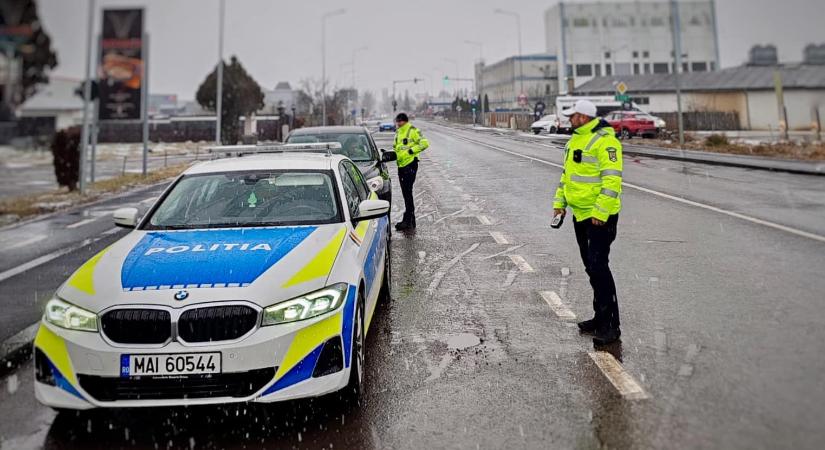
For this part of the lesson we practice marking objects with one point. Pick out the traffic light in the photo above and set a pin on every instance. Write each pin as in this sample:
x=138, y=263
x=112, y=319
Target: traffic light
x=446, y=80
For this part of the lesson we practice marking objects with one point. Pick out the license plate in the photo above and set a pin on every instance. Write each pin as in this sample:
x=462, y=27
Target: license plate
x=170, y=364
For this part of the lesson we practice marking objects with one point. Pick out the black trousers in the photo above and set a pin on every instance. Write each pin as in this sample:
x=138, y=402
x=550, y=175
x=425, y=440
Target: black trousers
x=594, y=246
x=406, y=176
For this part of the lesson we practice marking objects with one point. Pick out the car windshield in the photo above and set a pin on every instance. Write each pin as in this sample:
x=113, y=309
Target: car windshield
x=355, y=146
x=248, y=199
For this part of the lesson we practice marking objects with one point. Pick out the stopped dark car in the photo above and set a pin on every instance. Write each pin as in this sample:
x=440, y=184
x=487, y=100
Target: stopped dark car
x=358, y=145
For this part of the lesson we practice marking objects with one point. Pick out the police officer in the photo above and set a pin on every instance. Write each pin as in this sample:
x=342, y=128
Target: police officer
x=409, y=143
x=591, y=185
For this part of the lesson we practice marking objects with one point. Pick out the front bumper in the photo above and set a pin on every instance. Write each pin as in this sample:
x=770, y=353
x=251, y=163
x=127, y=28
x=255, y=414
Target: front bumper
x=80, y=370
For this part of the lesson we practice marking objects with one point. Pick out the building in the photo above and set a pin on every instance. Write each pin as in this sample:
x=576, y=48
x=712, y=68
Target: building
x=503, y=82
x=163, y=105
x=626, y=37
x=747, y=90
x=55, y=102
x=282, y=96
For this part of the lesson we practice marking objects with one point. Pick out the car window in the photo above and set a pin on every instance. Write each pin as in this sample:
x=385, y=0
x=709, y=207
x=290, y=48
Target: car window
x=350, y=192
x=248, y=199
x=358, y=179
x=355, y=146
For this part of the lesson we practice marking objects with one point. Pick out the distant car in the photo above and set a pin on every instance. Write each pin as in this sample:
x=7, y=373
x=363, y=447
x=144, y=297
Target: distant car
x=386, y=126
x=356, y=144
x=632, y=123
x=252, y=279
x=547, y=124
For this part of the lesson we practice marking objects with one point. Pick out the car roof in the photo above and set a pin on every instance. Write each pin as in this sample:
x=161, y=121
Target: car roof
x=325, y=130
x=268, y=161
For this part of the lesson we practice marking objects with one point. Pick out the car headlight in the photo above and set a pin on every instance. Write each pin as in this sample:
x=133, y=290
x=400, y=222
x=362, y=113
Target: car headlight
x=306, y=306
x=376, y=183
x=71, y=317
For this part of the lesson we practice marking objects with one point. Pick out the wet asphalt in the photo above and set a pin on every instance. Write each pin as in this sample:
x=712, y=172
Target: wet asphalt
x=722, y=321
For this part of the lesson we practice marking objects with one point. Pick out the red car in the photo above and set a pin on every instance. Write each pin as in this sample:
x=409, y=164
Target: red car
x=631, y=123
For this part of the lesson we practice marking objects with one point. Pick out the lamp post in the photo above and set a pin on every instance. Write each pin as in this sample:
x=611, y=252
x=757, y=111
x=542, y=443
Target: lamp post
x=324, y=18
x=518, y=29
x=219, y=94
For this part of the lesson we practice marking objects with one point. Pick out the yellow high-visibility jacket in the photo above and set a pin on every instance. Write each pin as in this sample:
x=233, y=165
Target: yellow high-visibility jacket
x=591, y=187
x=408, y=138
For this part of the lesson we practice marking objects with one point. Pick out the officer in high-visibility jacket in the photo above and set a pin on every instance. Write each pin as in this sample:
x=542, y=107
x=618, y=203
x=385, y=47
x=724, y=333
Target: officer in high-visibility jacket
x=591, y=186
x=409, y=143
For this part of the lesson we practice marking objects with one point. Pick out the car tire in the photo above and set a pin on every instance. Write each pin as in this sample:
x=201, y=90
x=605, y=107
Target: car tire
x=553, y=130
x=536, y=130
x=625, y=133
x=386, y=284
x=352, y=391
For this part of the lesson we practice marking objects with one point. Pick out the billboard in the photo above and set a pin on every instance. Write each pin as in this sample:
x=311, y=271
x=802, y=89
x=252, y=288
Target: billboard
x=120, y=71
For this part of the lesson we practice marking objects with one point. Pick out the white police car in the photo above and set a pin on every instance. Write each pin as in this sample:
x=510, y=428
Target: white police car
x=251, y=279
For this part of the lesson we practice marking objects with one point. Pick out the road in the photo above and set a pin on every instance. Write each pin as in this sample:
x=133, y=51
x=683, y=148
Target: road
x=720, y=288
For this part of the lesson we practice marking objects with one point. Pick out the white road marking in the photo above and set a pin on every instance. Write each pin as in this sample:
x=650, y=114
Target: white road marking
x=26, y=242
x=565, y=271
x=522, y=265
x=484, y=220
x=557, y=306
x=618, y=377
x=499, y=238
x=39, y=261
x=81, y=223
x=446, y=267
x=503, y=252
x=146, y=201
x=685, y=201
x=421, y=256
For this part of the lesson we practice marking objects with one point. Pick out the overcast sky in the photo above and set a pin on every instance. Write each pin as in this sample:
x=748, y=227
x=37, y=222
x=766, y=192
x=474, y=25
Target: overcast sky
x=281, y=40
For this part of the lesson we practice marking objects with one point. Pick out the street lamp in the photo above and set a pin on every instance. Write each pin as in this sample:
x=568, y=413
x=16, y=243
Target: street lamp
x=324, y=18
x=518, y=27
x=219, y=94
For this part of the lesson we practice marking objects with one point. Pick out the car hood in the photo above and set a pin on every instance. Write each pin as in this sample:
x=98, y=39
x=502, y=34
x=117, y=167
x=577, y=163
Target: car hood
x=261, y=265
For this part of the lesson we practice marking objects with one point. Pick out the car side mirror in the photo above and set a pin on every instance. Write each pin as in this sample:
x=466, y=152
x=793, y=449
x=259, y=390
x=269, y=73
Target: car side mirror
x=125, y=217
x=372, y=209
x=388, y=156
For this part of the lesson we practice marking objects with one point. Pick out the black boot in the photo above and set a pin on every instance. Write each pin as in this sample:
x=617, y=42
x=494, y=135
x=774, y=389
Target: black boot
x=605, y=336
x=588, y=326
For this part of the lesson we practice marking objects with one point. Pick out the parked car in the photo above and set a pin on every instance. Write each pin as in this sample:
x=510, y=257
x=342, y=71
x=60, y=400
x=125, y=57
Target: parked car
x=632, y=123
x=358, y=145
x=386, y=126
x=547, y=124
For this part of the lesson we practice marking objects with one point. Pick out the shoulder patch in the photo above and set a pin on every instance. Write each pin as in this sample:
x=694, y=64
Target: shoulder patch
x=611, y=153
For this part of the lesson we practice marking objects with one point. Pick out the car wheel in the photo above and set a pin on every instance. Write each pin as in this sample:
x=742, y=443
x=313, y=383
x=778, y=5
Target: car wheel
x=536, y=130
x=553, y=130
x=386, y=285
x=625, y=133
x=356, y=374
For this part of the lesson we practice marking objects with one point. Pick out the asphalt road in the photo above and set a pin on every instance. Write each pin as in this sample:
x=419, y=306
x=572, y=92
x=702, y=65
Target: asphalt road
x=720, y=288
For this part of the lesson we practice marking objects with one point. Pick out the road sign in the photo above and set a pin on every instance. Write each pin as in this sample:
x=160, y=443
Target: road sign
x=458, y=108
x=622, y=98
x=522, y=99
x=621, y=88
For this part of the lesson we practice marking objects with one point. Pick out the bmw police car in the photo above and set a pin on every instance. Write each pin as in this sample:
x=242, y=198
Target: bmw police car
x=251, y=279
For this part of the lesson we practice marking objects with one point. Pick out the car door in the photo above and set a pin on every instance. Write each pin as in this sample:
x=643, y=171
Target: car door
x=367, y=235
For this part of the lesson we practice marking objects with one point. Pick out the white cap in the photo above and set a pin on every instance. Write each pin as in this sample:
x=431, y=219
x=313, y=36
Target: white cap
x=585, y=107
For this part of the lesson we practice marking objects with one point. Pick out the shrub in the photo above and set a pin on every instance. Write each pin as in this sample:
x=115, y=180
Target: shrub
x=66, y=157
x=716, y=140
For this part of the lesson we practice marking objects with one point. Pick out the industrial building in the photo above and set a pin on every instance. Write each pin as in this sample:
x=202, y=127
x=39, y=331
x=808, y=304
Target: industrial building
x=535, y=76
x=594, y=39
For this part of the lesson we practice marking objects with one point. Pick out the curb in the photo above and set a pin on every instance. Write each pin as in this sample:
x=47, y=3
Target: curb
x=17, y=348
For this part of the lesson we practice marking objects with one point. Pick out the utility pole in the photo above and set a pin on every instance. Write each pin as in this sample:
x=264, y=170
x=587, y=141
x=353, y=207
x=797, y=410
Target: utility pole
x=87, y=95
x=144, y=84
x=677, y=52
x=324, y=18
x=397, y=82
x=219, y=94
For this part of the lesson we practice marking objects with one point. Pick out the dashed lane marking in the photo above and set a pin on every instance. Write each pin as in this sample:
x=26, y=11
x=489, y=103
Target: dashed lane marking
x=81, y=223
x=618, y=377
x=674, y=198
x=520, y=262
x=503, y=252
x=557, y=306
x=39, y=261
x=26, y=242
x=499, y=238
x=484, y=220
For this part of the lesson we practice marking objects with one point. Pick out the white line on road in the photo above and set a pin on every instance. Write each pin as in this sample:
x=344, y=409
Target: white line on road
x=446, y=267
x=26, y=242
x=484, y=220
x=503, y=252
x=499, y=237
x=39, y=261
x=82, y=222
x=557, y=306
x=520, y=262
x=618, y=377
x=766, y=223
x=146, y=201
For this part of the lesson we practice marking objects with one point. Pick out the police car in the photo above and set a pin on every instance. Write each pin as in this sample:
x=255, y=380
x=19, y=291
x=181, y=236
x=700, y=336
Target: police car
x=252, y=278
